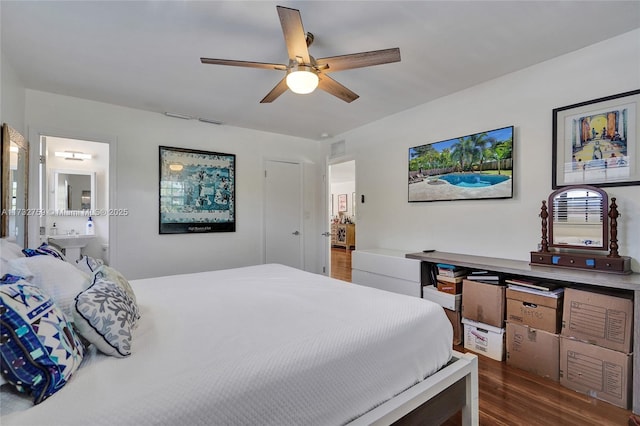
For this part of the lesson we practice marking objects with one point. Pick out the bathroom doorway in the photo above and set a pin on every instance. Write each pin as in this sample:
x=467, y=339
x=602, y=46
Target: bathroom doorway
x=342, y=218
x=73, y=186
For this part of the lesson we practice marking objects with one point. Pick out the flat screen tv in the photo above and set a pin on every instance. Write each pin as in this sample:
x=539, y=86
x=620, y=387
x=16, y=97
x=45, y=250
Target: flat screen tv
x=477, y=166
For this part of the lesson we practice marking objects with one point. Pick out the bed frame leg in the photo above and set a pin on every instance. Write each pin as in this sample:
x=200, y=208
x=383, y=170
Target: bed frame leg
x=470, y=411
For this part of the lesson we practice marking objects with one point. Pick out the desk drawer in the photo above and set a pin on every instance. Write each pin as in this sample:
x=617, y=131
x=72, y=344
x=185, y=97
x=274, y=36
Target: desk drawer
x=597, y=262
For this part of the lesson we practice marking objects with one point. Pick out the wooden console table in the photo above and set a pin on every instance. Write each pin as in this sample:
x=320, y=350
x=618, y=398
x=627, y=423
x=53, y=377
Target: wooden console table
x=629, y=282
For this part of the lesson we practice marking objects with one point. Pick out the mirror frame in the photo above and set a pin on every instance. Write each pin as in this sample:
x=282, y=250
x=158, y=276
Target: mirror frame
x=9, y=135
x=604, y=213
x=56, y=173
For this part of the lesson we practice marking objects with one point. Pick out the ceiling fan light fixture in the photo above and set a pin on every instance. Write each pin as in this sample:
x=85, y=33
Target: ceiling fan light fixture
x=302, y=79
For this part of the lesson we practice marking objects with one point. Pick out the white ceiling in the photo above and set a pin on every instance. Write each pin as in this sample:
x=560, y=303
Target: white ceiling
x=146, y=54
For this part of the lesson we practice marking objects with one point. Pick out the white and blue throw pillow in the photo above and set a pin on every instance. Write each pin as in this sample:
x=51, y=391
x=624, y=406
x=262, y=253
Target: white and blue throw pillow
x=60, y=280
x=106, y=315
x=44, y=250
x=107, y=273
x=40, y=351
x=89, y=264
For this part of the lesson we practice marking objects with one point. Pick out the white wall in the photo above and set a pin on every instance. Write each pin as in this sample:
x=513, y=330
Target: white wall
x=12, y=97
x=507, y=228
x=502, y=228
x=139, y=249
x=343, y=188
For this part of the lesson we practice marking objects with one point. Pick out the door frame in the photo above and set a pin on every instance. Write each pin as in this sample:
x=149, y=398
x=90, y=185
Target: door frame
x=303, y=229
x=35, y=133
x=327, y=214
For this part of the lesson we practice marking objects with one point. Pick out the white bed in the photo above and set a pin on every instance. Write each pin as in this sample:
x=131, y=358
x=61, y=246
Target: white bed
x=267, y=345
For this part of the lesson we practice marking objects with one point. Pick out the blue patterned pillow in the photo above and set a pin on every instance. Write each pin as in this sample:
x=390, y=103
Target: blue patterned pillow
x=44, y=250
x=40, y=351
x=106, y=315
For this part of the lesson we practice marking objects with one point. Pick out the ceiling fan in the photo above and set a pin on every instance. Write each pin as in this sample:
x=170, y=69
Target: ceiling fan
x=303, y=72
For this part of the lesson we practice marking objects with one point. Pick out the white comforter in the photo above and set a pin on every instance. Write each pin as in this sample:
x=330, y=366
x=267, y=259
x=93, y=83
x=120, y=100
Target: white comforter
x=258, y=345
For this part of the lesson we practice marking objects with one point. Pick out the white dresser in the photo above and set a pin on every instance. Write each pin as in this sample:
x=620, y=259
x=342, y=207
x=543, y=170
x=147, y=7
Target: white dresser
x=390, y=270
x=386, y=270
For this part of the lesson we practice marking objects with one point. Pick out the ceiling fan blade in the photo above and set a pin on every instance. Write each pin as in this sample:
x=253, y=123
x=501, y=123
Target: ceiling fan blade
x=278, y=90
x=247, y=64
x=358, y=60
x=331, y=86
x=294, y=35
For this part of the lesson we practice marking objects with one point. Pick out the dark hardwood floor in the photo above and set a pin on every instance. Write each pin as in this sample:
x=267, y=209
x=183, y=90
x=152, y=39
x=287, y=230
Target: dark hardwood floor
x=510, y=396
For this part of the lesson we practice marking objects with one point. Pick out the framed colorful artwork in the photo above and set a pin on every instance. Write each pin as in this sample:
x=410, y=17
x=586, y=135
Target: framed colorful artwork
x=197, y=191
x=342, y=203
x=596, y=142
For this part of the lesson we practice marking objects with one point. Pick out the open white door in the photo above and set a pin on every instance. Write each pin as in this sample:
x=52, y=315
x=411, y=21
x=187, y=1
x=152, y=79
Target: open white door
x=284, y=241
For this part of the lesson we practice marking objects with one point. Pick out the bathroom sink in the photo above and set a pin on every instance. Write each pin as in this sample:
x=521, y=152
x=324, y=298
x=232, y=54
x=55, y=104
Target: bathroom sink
x=71, y=241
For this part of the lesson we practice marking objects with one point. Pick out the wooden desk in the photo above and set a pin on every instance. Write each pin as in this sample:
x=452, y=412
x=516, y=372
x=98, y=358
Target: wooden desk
x=629, y=282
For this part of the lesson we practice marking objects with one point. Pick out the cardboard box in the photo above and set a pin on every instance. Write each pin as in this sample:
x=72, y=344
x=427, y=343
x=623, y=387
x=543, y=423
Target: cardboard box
x=446, y=300
x=484, y=339
x=451, y=287
x=455, y=318
x=535, y=310
x=599, y=372
x=483, y=302
x=602, y=319
x=535, y=351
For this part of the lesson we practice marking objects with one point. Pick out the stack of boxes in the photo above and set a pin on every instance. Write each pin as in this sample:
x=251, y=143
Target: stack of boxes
x=595, y=345
x=579, y=337
x=483, y=307
x=447, y=292
x=534, y=318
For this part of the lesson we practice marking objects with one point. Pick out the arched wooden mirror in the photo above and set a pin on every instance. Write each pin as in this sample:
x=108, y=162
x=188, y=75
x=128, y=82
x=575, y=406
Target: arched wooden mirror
x=578, y=218
x=15, y=183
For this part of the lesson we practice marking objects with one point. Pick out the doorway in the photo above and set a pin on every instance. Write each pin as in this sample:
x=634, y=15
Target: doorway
x=283, y=236
x=342, y=218
x=73, y=186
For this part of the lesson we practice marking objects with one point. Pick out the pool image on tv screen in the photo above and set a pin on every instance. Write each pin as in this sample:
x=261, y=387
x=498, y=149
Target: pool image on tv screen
x=476, y=166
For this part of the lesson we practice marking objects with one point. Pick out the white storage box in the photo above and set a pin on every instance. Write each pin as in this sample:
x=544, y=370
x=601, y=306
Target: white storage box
x=484, y=339
x=446, y=300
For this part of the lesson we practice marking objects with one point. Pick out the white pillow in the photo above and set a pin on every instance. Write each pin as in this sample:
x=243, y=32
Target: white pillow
x=9, y=250
x=60, y=279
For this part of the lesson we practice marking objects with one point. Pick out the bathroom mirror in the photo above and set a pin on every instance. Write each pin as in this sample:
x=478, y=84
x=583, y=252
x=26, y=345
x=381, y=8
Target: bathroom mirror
x=578, y=218
x=74, y=190
x=15, y=184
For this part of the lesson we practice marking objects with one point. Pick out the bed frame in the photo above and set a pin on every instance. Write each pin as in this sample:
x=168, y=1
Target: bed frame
x=435, y=399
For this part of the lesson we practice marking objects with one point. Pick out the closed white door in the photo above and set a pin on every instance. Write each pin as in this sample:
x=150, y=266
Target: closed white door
x=283, y=213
